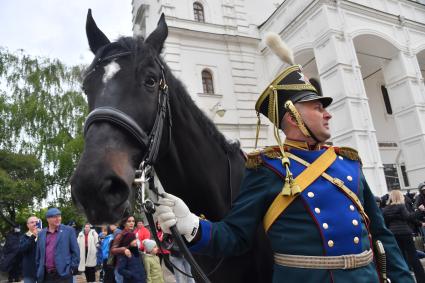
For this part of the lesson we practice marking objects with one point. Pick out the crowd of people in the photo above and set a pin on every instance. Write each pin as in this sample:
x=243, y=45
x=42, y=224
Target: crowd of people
x=122, y=253
x=125, y=252
x=404, y=215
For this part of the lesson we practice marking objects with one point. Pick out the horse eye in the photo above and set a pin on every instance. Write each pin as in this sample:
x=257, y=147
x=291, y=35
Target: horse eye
x=150, y=82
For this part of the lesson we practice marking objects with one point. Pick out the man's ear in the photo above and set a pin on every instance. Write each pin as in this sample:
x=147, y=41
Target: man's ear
x=287, y=121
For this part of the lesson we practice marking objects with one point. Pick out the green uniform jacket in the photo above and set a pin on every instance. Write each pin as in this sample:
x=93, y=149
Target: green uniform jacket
x=296, y=232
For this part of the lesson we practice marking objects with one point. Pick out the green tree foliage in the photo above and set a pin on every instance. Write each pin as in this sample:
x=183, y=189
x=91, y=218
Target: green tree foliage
x=42, y=111
x=21, y=183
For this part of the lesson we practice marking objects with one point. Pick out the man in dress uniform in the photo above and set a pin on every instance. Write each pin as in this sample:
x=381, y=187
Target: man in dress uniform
x=312, y=200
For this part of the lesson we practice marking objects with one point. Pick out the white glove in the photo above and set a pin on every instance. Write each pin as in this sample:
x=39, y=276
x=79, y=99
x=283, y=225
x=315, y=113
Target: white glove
x=173, y=211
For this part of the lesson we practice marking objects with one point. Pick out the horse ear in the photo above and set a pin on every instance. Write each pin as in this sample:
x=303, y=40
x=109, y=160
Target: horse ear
x=157, y=37
x=95, y=36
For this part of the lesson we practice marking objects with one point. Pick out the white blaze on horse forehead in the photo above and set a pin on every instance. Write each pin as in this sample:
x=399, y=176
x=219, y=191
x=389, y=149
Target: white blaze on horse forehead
x=110, y=70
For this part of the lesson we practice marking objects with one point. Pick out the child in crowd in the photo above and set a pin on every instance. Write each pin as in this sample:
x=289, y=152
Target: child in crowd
x=152, y=265
x=131, y=266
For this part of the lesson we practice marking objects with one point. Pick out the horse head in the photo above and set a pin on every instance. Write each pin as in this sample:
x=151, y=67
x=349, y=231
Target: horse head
x=123, y=86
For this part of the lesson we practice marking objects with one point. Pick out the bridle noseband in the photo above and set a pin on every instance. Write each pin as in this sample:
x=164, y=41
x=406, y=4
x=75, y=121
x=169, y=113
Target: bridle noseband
x=120, y=119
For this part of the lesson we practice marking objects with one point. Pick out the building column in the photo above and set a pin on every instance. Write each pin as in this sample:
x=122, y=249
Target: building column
x=352, y=123
x=405, y=87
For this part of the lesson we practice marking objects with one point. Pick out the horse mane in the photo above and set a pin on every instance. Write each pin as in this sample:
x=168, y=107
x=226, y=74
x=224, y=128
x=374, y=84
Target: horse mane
x=207, y=125
x=135, y=44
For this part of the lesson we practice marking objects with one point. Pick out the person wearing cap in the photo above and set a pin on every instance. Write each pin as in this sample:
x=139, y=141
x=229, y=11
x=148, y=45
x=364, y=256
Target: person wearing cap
x=151, y=262
x=57, y=254
x=312, y=199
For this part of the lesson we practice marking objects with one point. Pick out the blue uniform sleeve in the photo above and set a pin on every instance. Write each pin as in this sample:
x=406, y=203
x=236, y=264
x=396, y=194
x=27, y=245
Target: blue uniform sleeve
x=74, y=249
x=397, y=269
x=234, y=234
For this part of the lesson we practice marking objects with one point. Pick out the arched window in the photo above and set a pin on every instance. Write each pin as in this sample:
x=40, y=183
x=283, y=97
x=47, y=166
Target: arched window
x=207, y=82
x=198, y=12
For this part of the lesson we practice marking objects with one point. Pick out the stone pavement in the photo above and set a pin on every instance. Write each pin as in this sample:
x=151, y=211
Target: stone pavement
x=168, y=276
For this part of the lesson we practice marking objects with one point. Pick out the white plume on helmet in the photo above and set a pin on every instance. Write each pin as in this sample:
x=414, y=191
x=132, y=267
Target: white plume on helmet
x=276, y=44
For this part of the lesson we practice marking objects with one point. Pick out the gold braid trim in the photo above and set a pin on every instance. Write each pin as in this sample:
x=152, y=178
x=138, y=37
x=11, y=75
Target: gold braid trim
x=254, y=159
x=290, y=107
x=349, y=153
x=296, y=87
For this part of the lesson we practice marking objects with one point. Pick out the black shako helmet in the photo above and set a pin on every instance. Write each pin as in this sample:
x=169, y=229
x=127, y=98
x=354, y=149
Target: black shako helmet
x=291, y=84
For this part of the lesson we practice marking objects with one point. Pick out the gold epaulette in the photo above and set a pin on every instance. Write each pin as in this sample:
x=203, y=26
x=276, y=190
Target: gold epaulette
x=348, y=152
x=254, y=160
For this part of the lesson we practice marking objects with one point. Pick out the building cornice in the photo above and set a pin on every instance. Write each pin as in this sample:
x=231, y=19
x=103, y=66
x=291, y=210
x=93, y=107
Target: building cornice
x=349, y=6
x=237, y=38
x=386, y=16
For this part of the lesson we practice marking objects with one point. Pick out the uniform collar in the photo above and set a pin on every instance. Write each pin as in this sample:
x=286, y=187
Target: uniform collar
x=301, y=145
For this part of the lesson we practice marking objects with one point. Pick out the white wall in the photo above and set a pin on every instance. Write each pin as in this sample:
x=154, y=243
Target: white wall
x=384, y=123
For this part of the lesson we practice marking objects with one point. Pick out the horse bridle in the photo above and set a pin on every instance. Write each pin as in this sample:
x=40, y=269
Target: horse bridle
x=120, y=119
x=151, y=141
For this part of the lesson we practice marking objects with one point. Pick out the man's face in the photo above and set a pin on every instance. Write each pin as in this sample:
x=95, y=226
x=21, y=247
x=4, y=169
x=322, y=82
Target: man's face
x=86, y=228
x=139, y=224
x=316, y=119
x=54, y=220
x=32, y=223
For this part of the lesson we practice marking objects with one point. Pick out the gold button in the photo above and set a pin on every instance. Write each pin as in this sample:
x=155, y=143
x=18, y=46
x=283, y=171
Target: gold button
x=340, y=157
x=352, y=207
x=317, y=210
x=349, y=178
x=356, y=240
x=355, y=222
x=330, y=243
x=310, y=194
x=325, y=225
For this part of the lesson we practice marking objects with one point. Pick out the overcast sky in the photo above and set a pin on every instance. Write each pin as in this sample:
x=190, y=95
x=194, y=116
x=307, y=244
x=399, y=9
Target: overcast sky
x=56, y=28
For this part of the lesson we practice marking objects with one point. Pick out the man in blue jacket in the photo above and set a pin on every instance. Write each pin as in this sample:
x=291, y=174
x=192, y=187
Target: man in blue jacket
x=57, y=254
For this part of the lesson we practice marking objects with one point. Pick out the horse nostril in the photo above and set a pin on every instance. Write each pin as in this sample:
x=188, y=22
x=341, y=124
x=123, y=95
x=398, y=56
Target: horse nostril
x=115, y=191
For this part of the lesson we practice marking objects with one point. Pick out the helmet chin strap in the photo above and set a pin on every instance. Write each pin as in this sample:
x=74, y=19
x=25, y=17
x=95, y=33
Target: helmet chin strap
x=290, y=107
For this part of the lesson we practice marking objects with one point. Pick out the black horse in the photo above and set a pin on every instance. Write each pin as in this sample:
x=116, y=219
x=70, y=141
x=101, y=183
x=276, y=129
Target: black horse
x=195, y=161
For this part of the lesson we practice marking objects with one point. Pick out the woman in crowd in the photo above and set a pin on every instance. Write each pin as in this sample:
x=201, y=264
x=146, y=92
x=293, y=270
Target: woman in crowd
x=117, y=249
x=131, y=267
x=397, y=219
x=88, y=241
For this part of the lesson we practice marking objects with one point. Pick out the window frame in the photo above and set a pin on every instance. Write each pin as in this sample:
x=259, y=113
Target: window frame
x=198, y=12
x=207, y=82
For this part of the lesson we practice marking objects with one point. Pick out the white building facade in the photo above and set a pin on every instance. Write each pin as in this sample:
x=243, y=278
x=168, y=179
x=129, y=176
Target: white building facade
x=369, y=55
